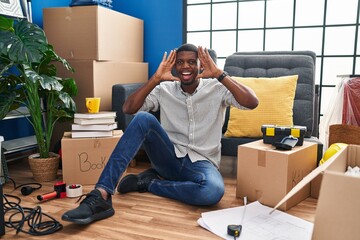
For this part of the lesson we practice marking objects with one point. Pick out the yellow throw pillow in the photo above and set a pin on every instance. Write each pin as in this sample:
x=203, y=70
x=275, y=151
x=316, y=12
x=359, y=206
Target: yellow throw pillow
x=276, y=100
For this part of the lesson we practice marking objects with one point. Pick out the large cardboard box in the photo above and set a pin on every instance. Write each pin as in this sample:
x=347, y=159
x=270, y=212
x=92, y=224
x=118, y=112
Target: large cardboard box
x=94, y=32
x=338, y=209
x=266, y=175
x=83, y=159
x=96, y=78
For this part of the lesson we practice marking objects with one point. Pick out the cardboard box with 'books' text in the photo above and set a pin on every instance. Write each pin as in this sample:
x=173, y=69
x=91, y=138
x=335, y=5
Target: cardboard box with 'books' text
x=83, y=159
x=266, y=175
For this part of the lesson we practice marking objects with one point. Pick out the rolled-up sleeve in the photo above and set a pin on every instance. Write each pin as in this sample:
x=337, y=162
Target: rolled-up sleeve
x=152, y=101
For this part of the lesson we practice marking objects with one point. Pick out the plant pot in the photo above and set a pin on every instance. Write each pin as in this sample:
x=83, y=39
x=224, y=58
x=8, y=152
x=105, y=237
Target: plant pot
x=44, y=169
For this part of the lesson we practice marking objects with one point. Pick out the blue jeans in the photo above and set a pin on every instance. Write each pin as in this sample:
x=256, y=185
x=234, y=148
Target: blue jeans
x=198, y=183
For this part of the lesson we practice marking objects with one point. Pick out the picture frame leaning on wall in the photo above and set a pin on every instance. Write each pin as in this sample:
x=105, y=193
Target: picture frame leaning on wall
x=12, y=8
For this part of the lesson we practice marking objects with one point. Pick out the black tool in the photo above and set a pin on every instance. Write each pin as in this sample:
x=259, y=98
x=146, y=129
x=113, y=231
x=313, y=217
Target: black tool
x=234, y=230
x=59, y=192
x=287, y=143
x=27, y=190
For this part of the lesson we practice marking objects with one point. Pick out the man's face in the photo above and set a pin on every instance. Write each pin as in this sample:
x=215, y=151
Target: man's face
x=186, y=66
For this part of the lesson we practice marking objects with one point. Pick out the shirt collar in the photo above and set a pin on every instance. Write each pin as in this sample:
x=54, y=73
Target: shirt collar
x=201, y=83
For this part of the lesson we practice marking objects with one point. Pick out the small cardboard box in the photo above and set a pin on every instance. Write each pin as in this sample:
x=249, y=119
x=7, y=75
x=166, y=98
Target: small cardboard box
x=94, y=33
x=96, y=78
x=274, y=133
x=338, y=209
x=83, y=159
x=266, y=175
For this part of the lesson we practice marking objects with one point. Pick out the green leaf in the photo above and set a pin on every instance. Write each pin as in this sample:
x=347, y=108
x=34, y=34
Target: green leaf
x=50, y=83
x=6, y=101
x=68, y=101
x=31, y=74
x=26, y=44
x=70, y=86
x=56, y=57
x=6, y=23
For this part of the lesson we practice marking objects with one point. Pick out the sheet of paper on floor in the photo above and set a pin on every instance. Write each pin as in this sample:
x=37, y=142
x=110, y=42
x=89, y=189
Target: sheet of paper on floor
x=257, y=223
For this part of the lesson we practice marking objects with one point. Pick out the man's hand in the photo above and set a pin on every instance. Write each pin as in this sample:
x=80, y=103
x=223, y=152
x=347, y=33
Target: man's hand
x=164, y=70
x=210, y=69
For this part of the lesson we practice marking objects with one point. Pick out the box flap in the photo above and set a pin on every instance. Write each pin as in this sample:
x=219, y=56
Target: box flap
x=308, y=178
x=353, y=156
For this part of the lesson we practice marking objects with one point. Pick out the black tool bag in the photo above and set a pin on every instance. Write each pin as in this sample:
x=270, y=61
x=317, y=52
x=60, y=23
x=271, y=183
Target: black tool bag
x=106, y=3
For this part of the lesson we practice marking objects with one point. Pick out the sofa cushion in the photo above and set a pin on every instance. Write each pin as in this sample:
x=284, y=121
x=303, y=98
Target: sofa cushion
x=229, y=145
x=282, y=63
x=276, y=100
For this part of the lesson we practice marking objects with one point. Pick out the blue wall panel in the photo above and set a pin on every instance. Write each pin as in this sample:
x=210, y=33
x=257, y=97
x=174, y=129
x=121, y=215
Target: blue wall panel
x=15, y=128
x=38, y=5
x=163, y=26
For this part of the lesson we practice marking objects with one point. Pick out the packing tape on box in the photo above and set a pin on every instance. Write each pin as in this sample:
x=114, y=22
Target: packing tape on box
x=74, y=190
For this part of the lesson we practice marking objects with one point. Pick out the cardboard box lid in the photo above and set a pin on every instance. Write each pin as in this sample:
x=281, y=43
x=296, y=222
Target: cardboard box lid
x=308, y=178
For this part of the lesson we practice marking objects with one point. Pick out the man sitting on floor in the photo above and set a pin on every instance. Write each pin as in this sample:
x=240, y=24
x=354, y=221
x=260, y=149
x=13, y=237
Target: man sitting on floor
x=184, y=150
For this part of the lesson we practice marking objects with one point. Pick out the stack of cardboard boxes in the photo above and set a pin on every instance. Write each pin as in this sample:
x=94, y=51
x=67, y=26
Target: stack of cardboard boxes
x=105, y=47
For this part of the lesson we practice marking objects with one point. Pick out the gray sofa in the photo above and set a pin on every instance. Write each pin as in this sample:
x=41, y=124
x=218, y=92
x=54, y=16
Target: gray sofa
x=257, y=64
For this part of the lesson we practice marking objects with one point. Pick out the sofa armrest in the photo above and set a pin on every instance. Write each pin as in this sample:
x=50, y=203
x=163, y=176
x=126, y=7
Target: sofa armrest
x=120, y=92
x=315, y=132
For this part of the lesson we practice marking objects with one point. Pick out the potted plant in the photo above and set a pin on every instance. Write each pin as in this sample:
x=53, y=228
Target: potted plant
x=28, y=78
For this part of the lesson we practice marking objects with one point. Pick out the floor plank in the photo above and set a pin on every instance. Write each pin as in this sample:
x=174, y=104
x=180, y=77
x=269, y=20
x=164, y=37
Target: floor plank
x=137, y=215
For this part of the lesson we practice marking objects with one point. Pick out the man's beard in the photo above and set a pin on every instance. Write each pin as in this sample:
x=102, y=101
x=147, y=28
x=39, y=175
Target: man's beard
x=188, y=83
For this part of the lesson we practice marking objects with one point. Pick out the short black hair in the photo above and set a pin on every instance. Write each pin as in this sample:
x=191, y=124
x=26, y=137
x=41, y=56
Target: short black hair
x=187, y=47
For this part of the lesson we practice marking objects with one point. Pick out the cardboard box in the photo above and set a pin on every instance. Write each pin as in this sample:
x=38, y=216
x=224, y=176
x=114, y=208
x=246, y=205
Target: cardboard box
x=96, y=78
x=266, y=175
x=315, y=186
x=337, y=212
x=274, y=133
x=83, y=159
x=94, y=33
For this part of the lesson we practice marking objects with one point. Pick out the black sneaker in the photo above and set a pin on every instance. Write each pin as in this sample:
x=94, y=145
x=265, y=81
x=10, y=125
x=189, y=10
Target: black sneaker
x=92, y=208
x=139, y=183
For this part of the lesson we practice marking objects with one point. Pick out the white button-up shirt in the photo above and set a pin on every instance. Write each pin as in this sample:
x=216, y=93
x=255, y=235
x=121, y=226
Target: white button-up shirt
x=192, y=121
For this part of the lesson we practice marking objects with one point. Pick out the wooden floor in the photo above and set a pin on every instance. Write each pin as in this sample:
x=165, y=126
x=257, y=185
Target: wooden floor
x=137, y=215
